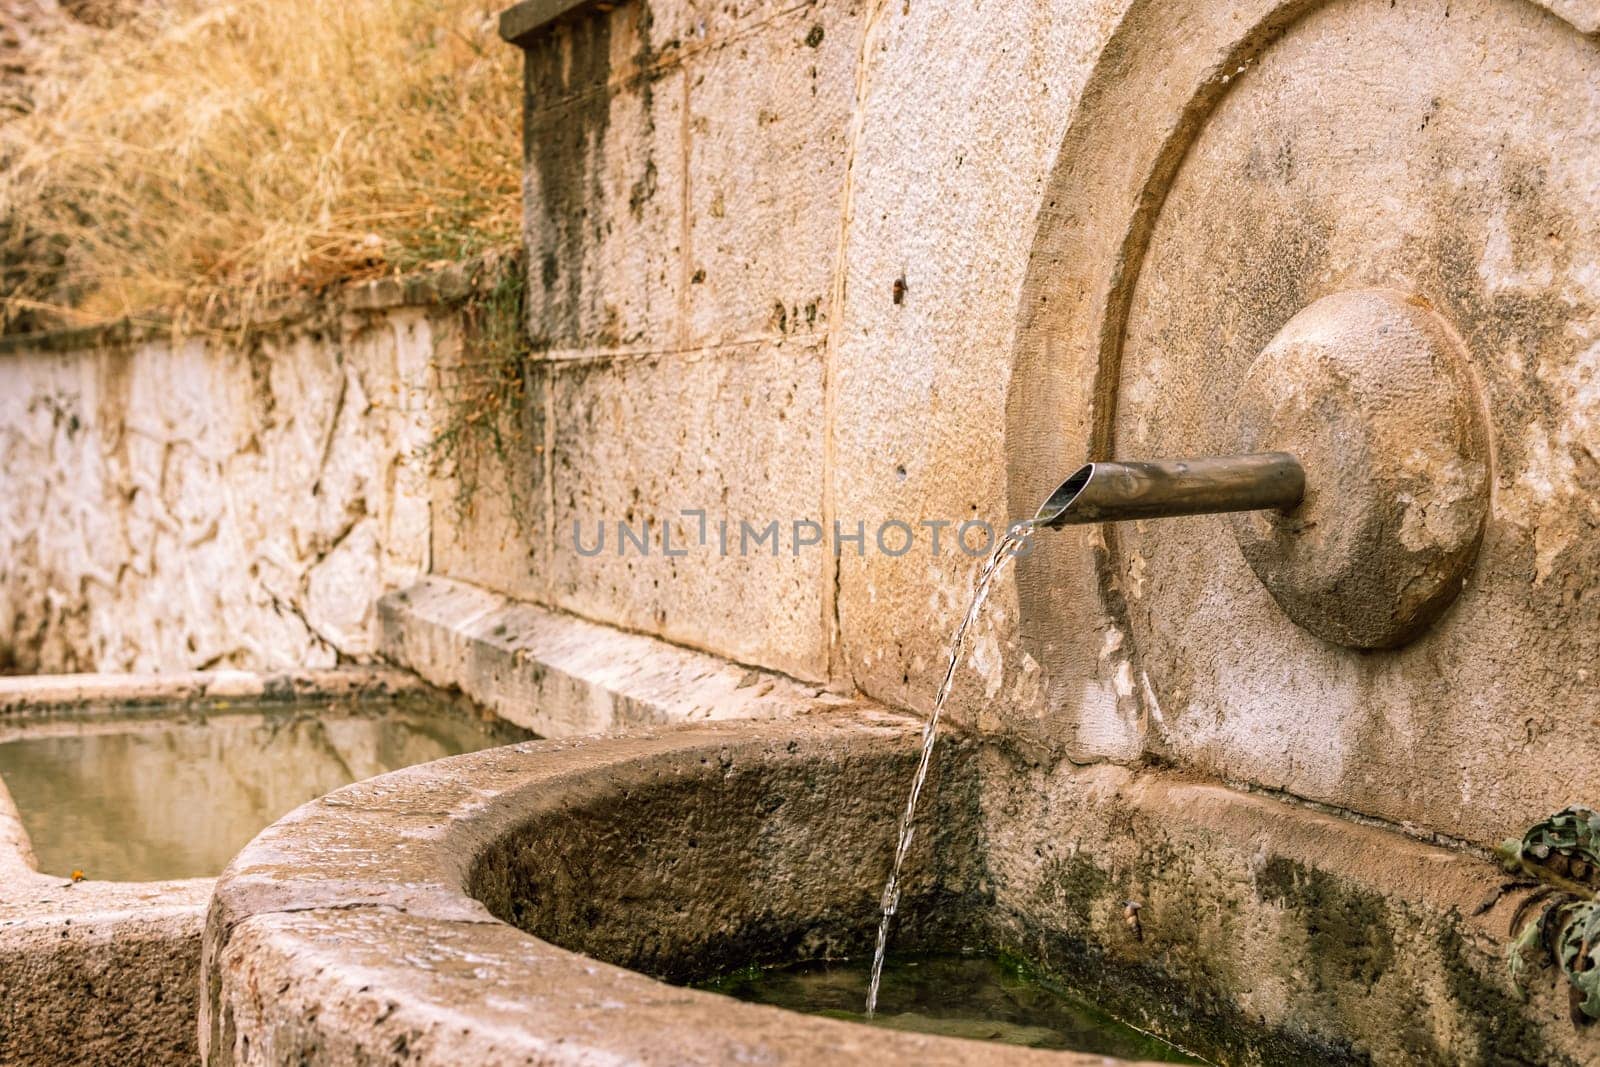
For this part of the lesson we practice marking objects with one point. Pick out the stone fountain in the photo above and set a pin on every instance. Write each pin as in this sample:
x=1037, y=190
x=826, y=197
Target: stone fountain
x=1356, y=233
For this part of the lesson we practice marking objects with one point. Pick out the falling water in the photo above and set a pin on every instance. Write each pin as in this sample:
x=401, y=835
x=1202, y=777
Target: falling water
x=1008, y=547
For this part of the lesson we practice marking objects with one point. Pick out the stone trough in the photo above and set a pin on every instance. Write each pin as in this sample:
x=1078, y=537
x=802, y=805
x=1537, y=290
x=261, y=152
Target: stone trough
x=533, y=904
x=104, y=969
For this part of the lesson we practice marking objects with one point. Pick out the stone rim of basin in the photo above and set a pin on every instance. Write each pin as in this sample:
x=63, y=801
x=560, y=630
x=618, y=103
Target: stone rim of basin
x=33, y=700
x=131, y=945
x=347, y=928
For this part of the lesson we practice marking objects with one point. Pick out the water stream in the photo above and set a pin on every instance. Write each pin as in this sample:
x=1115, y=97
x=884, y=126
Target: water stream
x=1008, y=547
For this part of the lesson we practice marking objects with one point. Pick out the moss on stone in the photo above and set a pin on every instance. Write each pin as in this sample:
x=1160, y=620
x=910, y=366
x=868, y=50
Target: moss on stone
x=1348, y=932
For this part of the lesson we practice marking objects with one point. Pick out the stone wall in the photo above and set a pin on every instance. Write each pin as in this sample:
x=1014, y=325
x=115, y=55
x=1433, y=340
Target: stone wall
x=779, y=260
x=200, y=503
x=775, y=253
x=783, y=260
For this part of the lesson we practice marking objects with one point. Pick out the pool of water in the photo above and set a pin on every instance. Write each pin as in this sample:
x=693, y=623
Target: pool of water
x=953, y=996
x=153, y=794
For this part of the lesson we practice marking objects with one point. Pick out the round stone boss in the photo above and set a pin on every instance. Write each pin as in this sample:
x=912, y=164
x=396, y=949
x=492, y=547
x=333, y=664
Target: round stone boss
x=1369, y=390
x=1231, y=174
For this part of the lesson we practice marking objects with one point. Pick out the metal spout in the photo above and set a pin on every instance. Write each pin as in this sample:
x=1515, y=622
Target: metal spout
x=1164, y=488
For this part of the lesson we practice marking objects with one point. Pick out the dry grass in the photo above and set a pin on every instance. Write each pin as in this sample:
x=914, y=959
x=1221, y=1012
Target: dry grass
x=211, y=153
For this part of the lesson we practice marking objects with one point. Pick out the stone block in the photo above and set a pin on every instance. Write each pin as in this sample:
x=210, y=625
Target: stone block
x=603, y=188
x=735, y=434
x=488, y=486
x=769, y=126
x=954, y=148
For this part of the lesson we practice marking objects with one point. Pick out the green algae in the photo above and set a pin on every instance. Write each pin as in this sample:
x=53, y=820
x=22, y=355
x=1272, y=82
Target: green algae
x=976, y=997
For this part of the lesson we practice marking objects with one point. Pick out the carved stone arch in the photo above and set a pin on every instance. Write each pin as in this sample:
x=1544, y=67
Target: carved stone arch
x=1509, y=155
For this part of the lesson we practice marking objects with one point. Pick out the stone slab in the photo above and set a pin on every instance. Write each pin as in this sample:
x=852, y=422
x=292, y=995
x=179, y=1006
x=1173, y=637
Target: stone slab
x=772, y=98
x=603, y=144
x=733, y=434
x=561, y=676
x=960, y=121
x=52, y=693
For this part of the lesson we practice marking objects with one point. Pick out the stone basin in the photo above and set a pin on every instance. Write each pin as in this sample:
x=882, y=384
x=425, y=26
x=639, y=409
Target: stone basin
x=536, y=903
x=144, y=786
x=153, y=794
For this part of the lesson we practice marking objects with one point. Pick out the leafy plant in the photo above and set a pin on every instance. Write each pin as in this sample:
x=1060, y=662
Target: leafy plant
x=486, y=429
x=1560, y=920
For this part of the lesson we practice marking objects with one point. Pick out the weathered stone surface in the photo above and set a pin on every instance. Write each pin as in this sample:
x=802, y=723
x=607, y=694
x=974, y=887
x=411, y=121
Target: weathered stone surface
x=490, y=492
x=1369, y=391
x=732, y=434
x=1267, y=931
x=1241, y=168
x=959, y=126
x=78, y=692
x=94, y=972
x=16, y=851
x=561, y=676
x=664, y=282
x=669, y=146
x=1248, y=154
x=99, y=972
x=551, y=1007
x=775, y=100
x=97, y=987
x=374, y=921
x=197, y=505
x=604, y=130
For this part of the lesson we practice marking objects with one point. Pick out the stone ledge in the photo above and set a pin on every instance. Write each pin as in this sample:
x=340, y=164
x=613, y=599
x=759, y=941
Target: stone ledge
x=76, y=692
x=520, y=22
x=442, y=287
x=563, y=676
x=16, y=848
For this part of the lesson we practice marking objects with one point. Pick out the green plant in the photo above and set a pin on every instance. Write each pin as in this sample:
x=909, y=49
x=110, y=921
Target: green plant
x=487, y=423
x=1558, y=924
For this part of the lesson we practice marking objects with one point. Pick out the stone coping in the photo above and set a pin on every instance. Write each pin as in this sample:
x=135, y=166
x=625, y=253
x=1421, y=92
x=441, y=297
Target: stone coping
x=562, y=676
x=54, y=693
x=444, y=286
x=345, y=934
x=520, y=23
